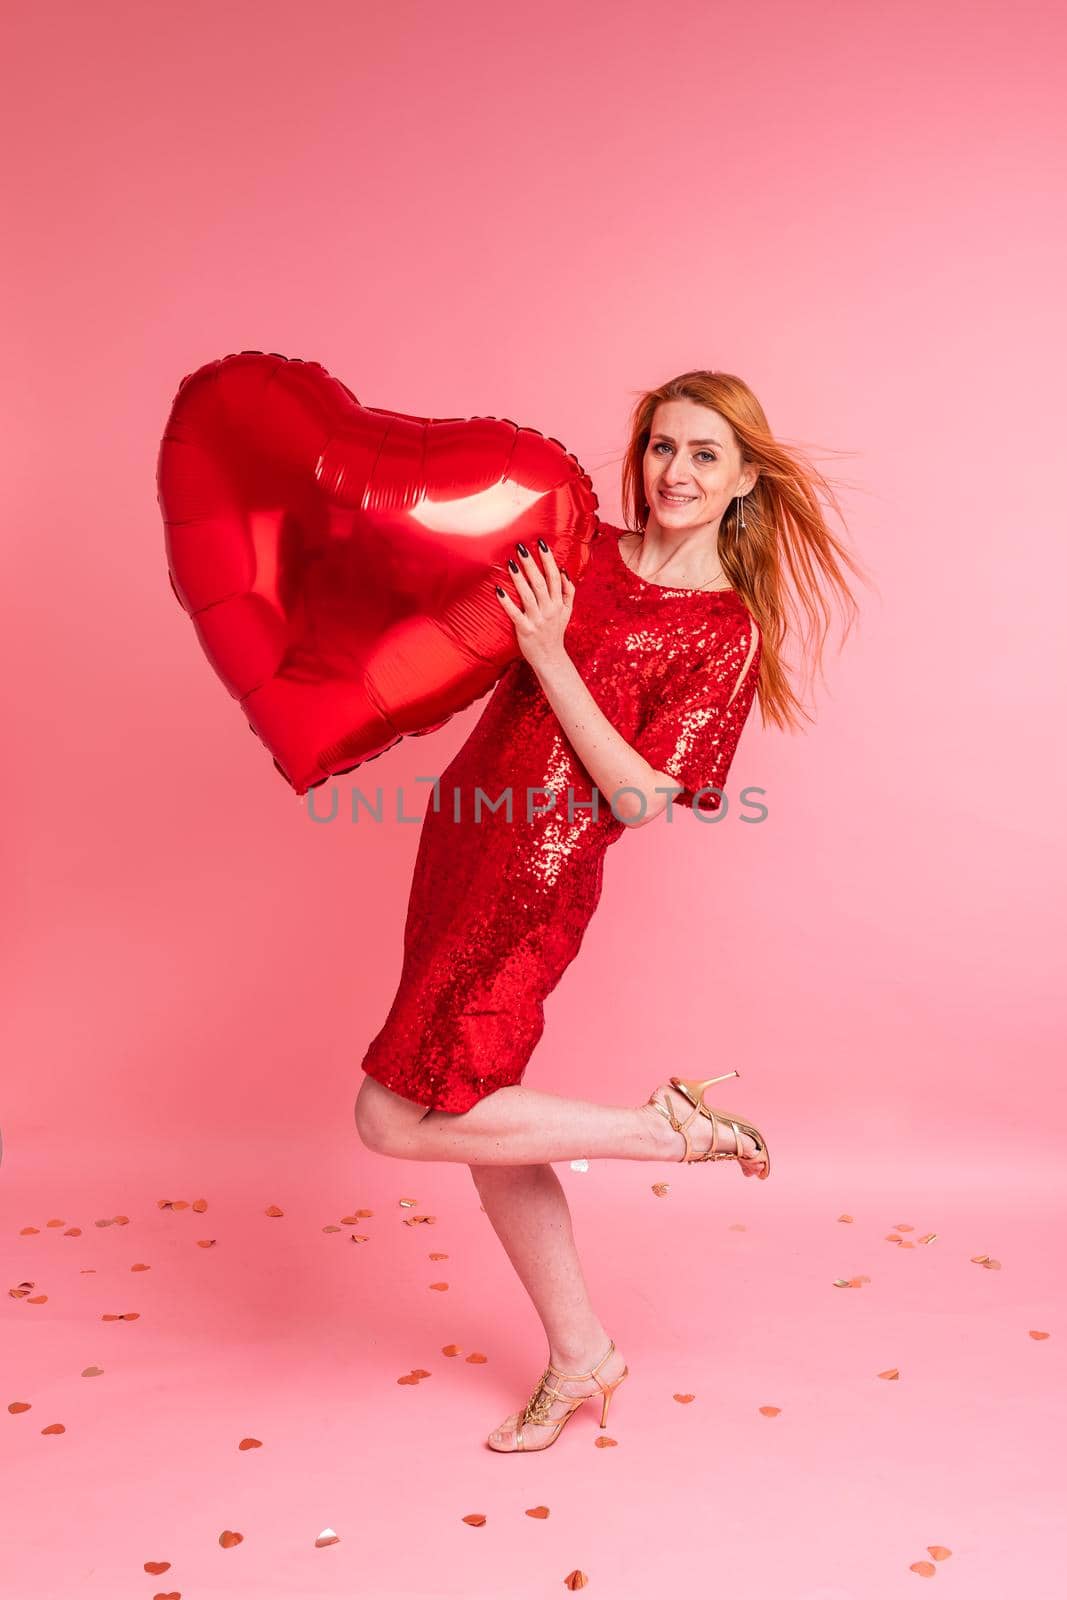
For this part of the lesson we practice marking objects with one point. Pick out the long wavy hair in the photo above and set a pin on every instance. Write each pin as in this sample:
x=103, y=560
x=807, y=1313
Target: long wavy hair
x=785, y=560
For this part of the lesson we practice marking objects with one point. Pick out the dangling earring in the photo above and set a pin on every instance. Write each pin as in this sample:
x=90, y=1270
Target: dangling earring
x=741, y=511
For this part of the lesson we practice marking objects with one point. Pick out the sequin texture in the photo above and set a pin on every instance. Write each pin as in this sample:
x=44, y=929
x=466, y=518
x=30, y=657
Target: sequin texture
x=499, y=906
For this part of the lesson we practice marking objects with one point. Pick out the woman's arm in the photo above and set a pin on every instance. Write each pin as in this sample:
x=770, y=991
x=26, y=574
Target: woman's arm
x=604, y=753
x=547, y=599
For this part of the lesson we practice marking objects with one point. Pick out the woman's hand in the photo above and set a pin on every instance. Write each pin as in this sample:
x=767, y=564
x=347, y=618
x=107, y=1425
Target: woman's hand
x=546, y=601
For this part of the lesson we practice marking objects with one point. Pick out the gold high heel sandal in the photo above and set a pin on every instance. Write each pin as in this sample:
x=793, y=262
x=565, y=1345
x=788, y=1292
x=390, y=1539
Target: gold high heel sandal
x=545, y=1395
x=693, y=1090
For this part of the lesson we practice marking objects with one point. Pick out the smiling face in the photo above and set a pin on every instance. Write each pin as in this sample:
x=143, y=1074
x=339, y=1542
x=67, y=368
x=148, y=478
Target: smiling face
x=692, y=466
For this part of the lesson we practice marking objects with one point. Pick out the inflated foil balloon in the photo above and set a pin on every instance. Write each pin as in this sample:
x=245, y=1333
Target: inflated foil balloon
x=339, y=560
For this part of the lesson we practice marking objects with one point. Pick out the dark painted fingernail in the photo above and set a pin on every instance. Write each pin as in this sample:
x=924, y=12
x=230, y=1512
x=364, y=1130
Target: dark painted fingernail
x=521, y=548
x=500, y=591
x=541, y=545
x=514, y=565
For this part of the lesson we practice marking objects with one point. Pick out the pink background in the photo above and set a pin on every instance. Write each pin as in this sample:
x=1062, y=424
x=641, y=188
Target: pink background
x=537, y=213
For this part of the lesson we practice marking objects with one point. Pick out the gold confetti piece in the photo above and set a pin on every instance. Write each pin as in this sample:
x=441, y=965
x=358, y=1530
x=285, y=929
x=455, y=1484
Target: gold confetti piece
x=907, y=1244
x=770, y=1411
x=349, y=1221
x=411, y=1222
x=439, y=1286
x=991, y=1266
x=890, y=1372
x=72, y=1233
x=139, y=1266
x=37, y=1300
x=925, y=1569
x=540, y=1512
x=979, y=1259
x=121, y=1222
x=105, y=1222
x=227, y=1538
x=603, y=1442
x=842, y=1283
x=451, y=1349
x=438, y=1255
x=174, y=1594
x=332, y=1227
x=661, y=1189
x=326, y=1537
x=206, y=1244
x=409, y=1377
x=684, y=1399
x=576, y=1579
x=844, y=1217
x=156, y=1568
x=475, y=1519
x=420, y=1372
x=54, y=1427
x=904, y=1227
x=22, y=1290
x=24, y=1231
x=359, y=1238
x=275, y=1211
x=18, y=1405
x=364, y=1213
x=199, y=1205
x=939, y=1552
x=477, y=1359
x=893, y=1238
x=928, y=1238
x=92, y=1372
x=407, y=1202
x=250, y=1444
x=120, y=1316
x=54, y=1222
x=1036, y=1334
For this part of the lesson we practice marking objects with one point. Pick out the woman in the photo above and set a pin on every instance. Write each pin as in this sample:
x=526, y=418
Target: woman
x=636, y=684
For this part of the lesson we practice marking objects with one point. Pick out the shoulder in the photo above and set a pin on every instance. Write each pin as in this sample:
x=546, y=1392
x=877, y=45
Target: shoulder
x=742, y=623
x=607, y=532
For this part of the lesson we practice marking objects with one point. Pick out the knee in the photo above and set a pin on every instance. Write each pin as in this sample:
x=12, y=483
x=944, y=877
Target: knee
x=374, y=1124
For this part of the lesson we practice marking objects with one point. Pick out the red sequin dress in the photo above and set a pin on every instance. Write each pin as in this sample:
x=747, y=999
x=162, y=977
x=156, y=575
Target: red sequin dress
x=498, y=907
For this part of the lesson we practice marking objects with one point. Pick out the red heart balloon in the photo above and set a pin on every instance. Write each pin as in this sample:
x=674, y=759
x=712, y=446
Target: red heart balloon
x=339, y=560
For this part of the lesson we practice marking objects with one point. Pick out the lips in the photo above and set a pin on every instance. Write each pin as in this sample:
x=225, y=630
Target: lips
x=676, y=500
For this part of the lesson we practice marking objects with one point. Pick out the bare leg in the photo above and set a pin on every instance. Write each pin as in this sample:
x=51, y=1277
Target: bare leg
x=528, y=1210
x=516, y=1126
x=508, y=1139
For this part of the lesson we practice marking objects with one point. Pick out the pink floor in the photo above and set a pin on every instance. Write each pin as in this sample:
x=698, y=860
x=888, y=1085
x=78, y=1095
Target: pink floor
x=288, y=1333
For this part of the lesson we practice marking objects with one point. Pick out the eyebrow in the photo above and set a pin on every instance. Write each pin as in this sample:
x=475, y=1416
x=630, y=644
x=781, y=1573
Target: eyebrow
x=692, y=441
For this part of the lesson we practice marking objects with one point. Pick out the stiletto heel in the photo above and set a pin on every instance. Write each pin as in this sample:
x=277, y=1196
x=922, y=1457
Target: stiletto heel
x=608, y=1392
x=693, y=1089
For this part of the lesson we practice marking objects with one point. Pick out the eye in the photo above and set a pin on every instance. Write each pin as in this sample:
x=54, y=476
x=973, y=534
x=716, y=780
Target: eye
x=664, y=446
